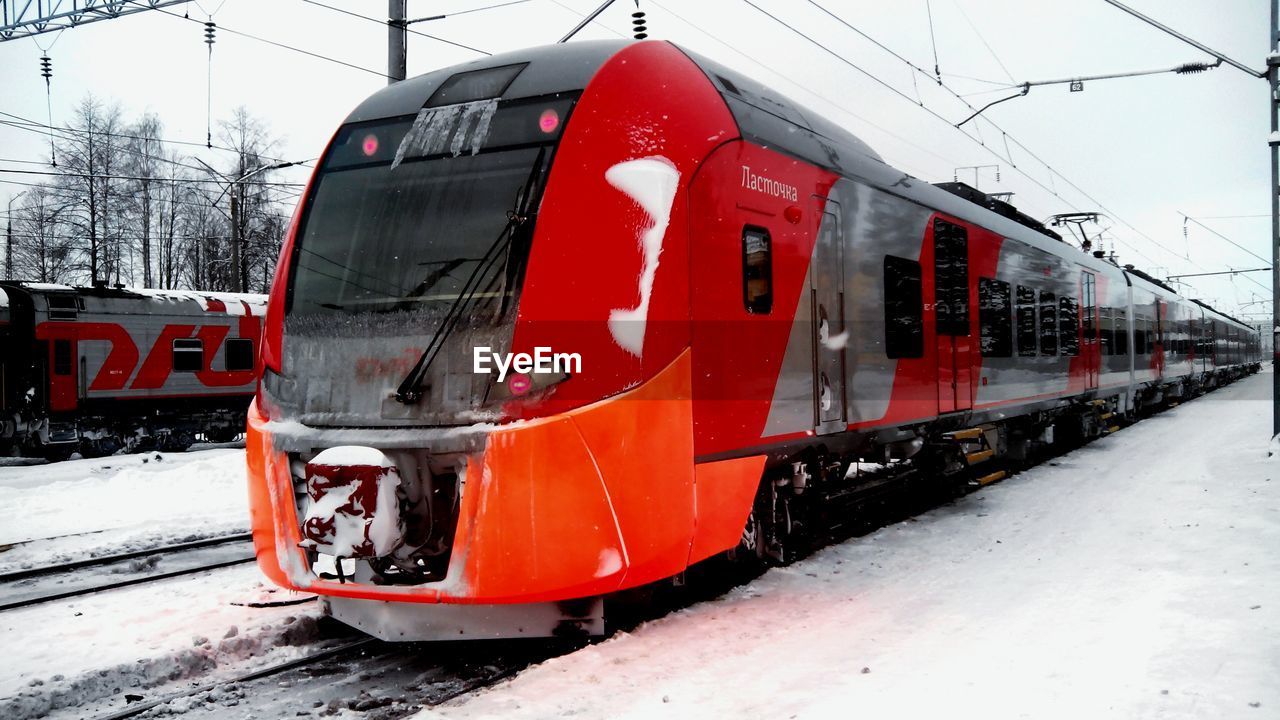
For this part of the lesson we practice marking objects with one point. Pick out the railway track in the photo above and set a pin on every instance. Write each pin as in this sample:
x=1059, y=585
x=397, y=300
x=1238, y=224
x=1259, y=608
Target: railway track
x=366, y=675
x=23, y=588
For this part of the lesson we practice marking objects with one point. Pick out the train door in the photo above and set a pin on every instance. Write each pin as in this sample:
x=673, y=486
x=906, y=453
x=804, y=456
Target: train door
x=1090, y=349
x=951, y=309
x=830, y=338
x=63, y=385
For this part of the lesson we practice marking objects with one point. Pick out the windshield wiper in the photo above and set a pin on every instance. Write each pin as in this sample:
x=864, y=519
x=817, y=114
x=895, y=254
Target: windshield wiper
x=409, y=391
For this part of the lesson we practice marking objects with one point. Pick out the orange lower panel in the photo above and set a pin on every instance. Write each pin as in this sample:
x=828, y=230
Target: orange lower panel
x=725, y=493
x=584, y=503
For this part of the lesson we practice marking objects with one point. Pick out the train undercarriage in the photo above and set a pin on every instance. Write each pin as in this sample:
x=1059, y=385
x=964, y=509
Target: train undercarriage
x=58, y=438
x=817, y=495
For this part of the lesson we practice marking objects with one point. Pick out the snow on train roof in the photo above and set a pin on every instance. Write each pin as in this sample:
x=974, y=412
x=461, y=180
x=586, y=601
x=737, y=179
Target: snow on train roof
x=210, y=301
x=230, y=303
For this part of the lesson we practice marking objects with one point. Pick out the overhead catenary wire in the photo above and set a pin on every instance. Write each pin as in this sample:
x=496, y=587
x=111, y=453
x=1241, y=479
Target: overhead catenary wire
x=100, y=176
x=1009, y=138
x=280, y=45
x=983, y=40
x=1224, y=237
x=814, y=93
x=67, y=129
x=72, y=194
x=940, y=117
x=933, y=40
x=409, y=29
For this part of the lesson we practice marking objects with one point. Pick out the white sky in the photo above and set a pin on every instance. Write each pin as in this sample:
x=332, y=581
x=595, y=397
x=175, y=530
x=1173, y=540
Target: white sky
x=1145, y=148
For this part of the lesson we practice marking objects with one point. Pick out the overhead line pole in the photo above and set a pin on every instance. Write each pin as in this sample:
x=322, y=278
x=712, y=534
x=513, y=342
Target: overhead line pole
x=397, y=37
x=1273, y=76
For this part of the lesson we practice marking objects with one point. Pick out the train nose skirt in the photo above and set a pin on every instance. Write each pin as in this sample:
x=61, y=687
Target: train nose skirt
x=410, y=622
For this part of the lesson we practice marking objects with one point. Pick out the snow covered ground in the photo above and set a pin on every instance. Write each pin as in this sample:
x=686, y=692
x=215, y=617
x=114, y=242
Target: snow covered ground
x=85, y=508
x=1135, y=578
x=64, y=658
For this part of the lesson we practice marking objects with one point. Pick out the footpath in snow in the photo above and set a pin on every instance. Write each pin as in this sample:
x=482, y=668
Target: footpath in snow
x=1135, y=578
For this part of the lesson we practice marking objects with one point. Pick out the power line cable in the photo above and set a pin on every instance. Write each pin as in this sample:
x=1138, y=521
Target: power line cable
x=950, y=162
x=100, y=176
x=1005, y=135
x=273, y=43
x=83, y=131
x=1224, y=237
x=985, y=44
x=594, y=21
x=384, y=23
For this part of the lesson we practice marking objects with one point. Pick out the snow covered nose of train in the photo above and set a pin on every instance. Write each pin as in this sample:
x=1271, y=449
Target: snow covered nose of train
x=553, y=508
x=354, y=511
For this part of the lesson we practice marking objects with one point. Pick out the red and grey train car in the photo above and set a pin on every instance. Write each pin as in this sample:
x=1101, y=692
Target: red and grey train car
x=754, y=300
x=99, y=369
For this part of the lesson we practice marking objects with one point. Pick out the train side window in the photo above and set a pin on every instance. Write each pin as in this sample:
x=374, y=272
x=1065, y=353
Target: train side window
x=1089, y=319
x=951, y=277
x=1106, y=336
x=757, y=270
x=1153, y=334
x=62, y=362
x=1068, y=326
x=63, y=307
x=238, y=354
x=1026, y=315
x=903, y=308
x=1120, y=335
x=1139, y=336
x=1048, y=324
x=995, y=305
x=188, y=355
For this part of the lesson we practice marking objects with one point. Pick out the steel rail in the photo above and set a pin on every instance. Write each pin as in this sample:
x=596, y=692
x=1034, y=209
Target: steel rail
x=131, y=555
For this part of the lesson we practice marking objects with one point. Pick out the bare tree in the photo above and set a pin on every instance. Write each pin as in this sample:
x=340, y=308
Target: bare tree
x=144, y=164
x=43, y=252
x=251, y=198
x=91, y=159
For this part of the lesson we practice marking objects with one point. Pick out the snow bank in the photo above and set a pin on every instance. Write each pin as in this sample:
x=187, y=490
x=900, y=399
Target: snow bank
x=95, y=507
x=1135, y=578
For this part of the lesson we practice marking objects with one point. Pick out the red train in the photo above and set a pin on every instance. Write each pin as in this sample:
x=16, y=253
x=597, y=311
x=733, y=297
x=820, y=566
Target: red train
x=566, y=321
x=101, y=369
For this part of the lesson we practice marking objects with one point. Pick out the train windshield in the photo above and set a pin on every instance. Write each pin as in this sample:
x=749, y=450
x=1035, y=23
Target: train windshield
x=419, y=214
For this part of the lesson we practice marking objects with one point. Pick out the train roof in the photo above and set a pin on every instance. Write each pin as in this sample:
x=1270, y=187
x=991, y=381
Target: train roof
x=209, y=301
x=764, y=116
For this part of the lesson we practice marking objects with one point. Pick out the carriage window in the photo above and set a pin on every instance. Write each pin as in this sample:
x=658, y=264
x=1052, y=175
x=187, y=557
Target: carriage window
x=188, y=355
x=63, y=307
x=62, y=357
x=1139, y=336
x=1153, y=333
x=1087, y=295
x=1068, y=326
x=1048, y=324
x=903, y=308
x=995, y=304
x=1106, y=335
x=238, y=354
x=951, y=277
x=757, y=271
x=1026, y=321
x=1120, y=335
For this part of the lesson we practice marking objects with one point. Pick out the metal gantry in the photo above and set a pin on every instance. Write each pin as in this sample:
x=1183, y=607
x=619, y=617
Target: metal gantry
x=24, y=18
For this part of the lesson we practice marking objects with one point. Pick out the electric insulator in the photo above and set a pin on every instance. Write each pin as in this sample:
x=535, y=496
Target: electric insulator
x=46, y=67
x=210, y=28
x=639, y=31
